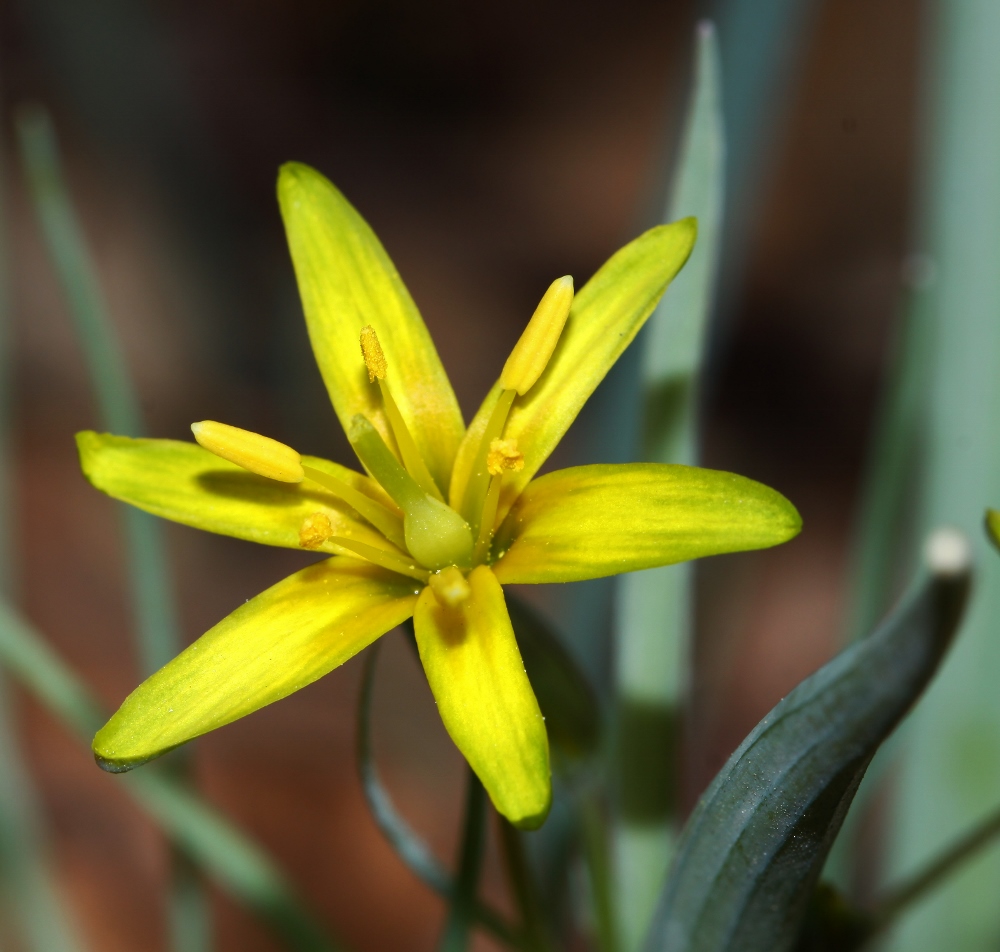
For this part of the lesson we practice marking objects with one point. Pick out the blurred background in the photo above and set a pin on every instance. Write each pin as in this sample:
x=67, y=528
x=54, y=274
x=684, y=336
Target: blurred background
x=492, y=147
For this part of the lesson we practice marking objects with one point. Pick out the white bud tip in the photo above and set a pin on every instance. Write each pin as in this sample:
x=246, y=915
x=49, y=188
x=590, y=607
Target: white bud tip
x=947, y=552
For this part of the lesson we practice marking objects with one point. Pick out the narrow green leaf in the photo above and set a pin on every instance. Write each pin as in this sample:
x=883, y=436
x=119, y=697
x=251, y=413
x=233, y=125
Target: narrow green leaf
x=153, y=605
x=653, y=610
x=753, y=849
x=233, y=861
x=947, y=774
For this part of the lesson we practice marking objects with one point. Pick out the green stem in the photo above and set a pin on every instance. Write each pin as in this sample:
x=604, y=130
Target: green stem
x=523, y=889
x=406, y=843
x=233, y=861
x=455, y=937
x=598, y=862
x=916, y=887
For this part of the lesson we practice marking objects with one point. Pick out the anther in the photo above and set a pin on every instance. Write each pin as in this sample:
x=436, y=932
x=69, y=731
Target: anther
x=504, y=456
x=371, y=350
x=316, y=529
x=256, y=453
x=531, y=354
x=450, y=587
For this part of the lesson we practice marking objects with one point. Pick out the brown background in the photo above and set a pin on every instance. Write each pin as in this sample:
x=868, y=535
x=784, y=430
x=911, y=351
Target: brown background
x=491, y=150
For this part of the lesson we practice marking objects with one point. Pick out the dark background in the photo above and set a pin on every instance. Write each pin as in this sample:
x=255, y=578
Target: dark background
x=492, y=149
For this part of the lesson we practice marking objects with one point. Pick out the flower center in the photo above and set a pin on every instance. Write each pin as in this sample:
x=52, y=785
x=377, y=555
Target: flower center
x=444, y=542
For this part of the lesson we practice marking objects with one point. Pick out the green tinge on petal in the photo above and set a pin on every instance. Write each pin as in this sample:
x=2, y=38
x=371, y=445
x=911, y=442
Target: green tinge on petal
x=475, y=671
x=346, y=280
x=591, y=521
x=607, y=313
x=187, y=484
x=273, y=645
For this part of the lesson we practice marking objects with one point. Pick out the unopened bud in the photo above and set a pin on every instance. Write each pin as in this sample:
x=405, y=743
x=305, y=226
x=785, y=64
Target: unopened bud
x=531, y=354
x=259, y=454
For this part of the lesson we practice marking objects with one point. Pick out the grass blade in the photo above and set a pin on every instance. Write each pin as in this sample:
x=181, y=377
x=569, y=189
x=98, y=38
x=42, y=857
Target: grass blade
x=152, y=602
x=950, y=762
x=117, y=404
x=25, y=877
x=234, y=862
x=653, y=621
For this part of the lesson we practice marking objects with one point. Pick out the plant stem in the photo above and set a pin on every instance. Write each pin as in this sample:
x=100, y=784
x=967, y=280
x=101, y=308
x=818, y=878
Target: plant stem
x=523, y=889
x=913, y=889
x=406, y=843
x=595, y=852
x=455, y=937
x=220, y=849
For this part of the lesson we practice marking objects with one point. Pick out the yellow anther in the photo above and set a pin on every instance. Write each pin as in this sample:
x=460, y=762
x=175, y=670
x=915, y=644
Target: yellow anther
x=531, y=354
x=259, y=454
x=371, y=350
x=450, y=587
x=504, y=455
x=316, y=529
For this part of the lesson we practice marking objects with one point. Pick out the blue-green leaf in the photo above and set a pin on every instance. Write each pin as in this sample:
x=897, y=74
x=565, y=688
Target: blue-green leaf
x=751, y=854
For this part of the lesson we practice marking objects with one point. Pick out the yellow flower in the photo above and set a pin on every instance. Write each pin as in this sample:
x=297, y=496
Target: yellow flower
x=445, y=515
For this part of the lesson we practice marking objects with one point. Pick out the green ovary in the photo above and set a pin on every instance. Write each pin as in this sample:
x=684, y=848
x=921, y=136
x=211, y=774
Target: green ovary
x=435, y=534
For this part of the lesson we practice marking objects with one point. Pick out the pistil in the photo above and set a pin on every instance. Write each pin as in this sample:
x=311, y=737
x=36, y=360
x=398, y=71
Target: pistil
x=378, y=369
x=436, y=536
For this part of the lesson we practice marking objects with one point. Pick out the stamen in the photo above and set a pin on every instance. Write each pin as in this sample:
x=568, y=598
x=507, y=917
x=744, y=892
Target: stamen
x=450, y=587
x=475, y=488
x=388, y=523
x=503, y=456
x=436, y=535
x=316, y=529
x=531, y=354
x=486, y=520
x=256, y=453
x=377, y=366
x=385, y=560
x=371, y=350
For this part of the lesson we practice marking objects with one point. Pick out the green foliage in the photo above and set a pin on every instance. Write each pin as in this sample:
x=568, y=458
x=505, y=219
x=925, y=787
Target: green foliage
x=751, y=853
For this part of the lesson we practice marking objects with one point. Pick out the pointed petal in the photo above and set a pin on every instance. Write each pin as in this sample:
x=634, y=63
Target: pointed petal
x=346, y=281
x=487, y=705
x=185, y=483
x=278, y=642
x=606, y=315
x=591, y=521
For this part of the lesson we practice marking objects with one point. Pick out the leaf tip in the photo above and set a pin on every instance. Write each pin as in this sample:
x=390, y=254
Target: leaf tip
x=947, y=553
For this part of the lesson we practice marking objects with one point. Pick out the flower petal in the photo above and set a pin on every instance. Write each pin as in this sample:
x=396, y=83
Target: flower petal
x=278, y=642
x=607, y=313
x=591, y=521
x=486, y=702
x=185, y=483
x=346, y=281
